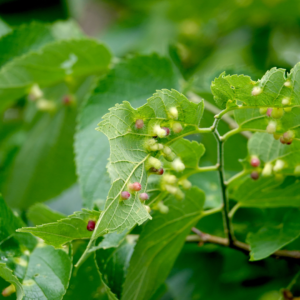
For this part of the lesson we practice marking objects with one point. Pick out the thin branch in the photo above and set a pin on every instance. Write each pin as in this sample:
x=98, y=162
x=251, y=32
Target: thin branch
x=225, y=211
x=216, y=111
x=207, y=238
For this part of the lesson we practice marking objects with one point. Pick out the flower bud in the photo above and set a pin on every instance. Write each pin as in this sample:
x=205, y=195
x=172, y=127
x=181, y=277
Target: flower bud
x=35, y=92
x=271, y=128
x=287, y=84
x=285, y=101
x=277, y=112
x=154, y=162
x=173, y=112
x=125, y=195
x=263, y=110
x=177, y=127
x=256, y=91
x=139, y=124
x=167, y=150
x=136, y=186
x=279, y=165
x=170, y=179
x=267, y=171
x=269, y=112
x=144, y=196
x=171, y=189
x=91, y=225
x=157, y=130
x=46, y=105
x=255, y=162
x=148, y=209
x=162, y=208
x=185, y=184
x=170, y=157
x=254, y=175
x=178, y=165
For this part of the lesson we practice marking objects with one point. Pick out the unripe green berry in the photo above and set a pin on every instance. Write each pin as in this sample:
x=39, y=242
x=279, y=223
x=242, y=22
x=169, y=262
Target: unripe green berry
x=154, y=162
x=279, y=165
x=178, y=165
x=185, y=184
x=162, y=208
x=271, y=128
x=267, y=171
x=173, y=112
x=256, y=91
x=277, y=112
x=177, y=127
x=263, y=110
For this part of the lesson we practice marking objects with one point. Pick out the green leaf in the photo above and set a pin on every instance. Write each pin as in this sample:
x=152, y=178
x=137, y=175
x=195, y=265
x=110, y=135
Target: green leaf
x=65, y=230
x=113, y=264
x=40, y=214
x=7, y=275
x=4, y=28
x=273, y=237
x=134, y=80
x=81, y=57
x=86, y=281
x=8, y=221
x=31, y=37
x=129, y=154
x=159, y=245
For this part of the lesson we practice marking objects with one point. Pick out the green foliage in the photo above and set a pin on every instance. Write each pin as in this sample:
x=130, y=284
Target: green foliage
x=59, y=233
x=159, y=244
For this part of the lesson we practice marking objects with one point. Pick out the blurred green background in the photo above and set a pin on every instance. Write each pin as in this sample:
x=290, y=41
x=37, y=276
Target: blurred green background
x=202, y=39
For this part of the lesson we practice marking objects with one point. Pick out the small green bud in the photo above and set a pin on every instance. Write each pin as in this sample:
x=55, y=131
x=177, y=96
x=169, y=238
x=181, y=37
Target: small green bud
x=267, y=171
x=169, y=179
x=177, y=127
x=148, y=209
x=263, y=110
x=160, y=132
x=167, y=150
x=178, y=165
x=256, y=91
x=162, y=208
x=154, y=162
x=35, y=92
x=173, y=112
x=285, y=101
x=279, y=165
x=271, y=128
x=170, y=157
x=46, y=105
x=277, y=112
x=185, y=184
x=287, y=84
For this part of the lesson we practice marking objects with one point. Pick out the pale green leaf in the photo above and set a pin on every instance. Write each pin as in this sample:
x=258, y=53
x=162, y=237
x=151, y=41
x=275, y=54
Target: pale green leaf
x=8, y=221
x=8, y=276
x=134, y=80
x=65, y=230
x=239, y=88
x=40, y=214
x=54, y=63
x=273, y=237
x=159, y=245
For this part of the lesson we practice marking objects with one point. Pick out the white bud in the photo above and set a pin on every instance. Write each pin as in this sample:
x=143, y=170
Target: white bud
x=185, y=184
x=147, y=208
x=178, y=165
x=167, y=150
x=256, y=91
x=271, y=128
x=160, y=146
x=154, y=162
x=170, y=179
x=279, y=165
x=35, y=92
x=45, y=105
x=171, y=189
x=267, y=171
x=162, y=208
x=173, y=113
x=287, y=83
x=159, y=131
x=285, y=101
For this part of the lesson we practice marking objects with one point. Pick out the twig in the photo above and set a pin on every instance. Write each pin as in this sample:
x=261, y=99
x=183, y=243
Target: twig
x=213, y=109
x=207, y=238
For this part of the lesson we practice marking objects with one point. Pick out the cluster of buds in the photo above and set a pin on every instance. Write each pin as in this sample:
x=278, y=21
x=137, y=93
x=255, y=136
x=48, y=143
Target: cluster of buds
x=170, y=184
x=269, y=169
x=287, y=137
x=255, y=163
